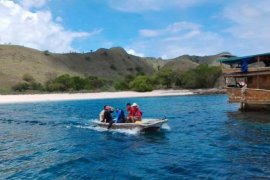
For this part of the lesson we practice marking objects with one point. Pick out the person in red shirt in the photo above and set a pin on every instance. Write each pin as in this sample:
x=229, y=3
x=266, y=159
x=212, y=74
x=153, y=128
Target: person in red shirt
x=137, y=113
x=130, y=110
x=130, y=113
x=134, y=113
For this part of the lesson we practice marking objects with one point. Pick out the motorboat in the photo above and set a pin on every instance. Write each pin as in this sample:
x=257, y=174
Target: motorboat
x=144, y=125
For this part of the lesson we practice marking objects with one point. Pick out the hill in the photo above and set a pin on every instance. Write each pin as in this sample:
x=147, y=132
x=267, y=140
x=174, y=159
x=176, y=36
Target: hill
x=109, y=64
x=184, y=62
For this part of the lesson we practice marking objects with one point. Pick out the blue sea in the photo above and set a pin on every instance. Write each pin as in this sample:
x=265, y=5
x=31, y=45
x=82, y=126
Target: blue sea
x=205, y=138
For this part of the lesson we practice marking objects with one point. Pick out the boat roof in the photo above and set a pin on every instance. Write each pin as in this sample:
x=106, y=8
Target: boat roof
x=250, y=59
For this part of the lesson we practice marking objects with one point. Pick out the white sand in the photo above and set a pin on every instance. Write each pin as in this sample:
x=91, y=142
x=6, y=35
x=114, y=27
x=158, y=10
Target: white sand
x=9, y=99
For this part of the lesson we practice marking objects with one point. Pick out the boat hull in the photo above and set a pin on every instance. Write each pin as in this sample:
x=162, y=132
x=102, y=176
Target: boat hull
x=250, y=99
x=152, y=125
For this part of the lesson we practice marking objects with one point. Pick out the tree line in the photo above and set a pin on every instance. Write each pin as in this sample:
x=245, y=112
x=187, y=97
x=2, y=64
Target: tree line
x=203, y=76
x=61, y=83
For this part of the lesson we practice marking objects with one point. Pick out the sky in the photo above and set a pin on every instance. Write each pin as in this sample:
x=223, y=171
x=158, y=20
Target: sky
x=149, y=28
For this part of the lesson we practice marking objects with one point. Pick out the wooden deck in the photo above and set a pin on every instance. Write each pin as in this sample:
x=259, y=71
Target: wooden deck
x=238, y=70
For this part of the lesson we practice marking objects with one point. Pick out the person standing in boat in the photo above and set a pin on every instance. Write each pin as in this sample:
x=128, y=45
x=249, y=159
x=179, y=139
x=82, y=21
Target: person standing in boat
x=120, y=116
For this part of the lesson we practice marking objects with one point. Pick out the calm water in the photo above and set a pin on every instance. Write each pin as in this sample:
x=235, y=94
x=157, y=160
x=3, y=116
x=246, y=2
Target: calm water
x=205, y=138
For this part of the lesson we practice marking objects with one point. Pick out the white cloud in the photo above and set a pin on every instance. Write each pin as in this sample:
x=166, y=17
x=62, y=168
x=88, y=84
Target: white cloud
x=245, y=30
x=133, y=52
x=58, y=19
x=150, y=5
x=176, y=39
x=250, y=26
x=28, y=4
x=37, y=30
x=175, y=28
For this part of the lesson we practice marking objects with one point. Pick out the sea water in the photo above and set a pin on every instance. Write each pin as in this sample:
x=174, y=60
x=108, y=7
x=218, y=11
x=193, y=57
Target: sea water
x=205, y=137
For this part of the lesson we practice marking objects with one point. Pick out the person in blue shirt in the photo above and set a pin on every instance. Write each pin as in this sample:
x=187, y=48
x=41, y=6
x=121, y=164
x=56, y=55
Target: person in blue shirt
x=120, y=116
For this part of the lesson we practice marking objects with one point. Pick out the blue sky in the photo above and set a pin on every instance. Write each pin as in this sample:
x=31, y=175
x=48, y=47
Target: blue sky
x=157, y=28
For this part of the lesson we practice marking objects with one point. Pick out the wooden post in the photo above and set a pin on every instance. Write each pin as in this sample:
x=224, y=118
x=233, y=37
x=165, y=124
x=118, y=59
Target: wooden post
x=257, y=82
x=258, y=60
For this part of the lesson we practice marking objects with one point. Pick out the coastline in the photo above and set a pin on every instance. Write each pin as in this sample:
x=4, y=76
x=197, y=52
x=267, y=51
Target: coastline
x=30, y=98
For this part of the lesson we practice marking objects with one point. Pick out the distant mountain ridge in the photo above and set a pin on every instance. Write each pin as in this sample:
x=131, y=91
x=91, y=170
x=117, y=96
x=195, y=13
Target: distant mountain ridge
x=112, y=64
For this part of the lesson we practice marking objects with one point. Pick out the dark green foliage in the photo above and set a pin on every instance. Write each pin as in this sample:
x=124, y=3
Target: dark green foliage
x=141, y=84
x=130, y=69
x=21, y=87
x=47, y=53
x=113, y=67
x=165, y=77
x=139, y=69
x=96, y=83
x=30, y=84
x=124, y=84
x=202, y=76
x=87, y=58
x=121, y=85
x=28, y=78
x=75, y=83
x=79, y=83
x=178, y=82
x=36, y=86
x=54, y=86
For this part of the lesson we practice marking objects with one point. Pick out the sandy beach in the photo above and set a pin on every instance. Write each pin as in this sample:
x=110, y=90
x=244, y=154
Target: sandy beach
x=9, y=99
x=28, y=98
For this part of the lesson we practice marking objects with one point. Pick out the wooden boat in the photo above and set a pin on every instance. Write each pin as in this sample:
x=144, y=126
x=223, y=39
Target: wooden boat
x=145, y=125
x=248, y=80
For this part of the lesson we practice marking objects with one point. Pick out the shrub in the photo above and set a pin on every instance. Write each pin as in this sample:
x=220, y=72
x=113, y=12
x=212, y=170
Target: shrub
x=96, y=83
x=165, y=77
x=113, y=67
x=130, y=69
x=124, y=84
x=139, y=69
x=203, y=76
x=141, y=84
x=121, y=85
x=54, y=86
x=21, y=87
x=87, y=58
x=47, y=52
x=35, y=86
x=28, y=78
x=79, y=83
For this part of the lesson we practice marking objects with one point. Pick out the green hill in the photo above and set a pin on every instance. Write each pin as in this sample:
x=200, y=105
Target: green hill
x=111, y=64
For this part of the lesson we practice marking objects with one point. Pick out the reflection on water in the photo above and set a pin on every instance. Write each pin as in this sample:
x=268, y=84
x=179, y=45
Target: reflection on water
x=248, y=136
x=260, y=117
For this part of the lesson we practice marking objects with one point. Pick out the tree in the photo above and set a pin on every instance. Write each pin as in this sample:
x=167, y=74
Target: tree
x=141, y=84
x=124, y=84
x=203, y=76
x=165, y=77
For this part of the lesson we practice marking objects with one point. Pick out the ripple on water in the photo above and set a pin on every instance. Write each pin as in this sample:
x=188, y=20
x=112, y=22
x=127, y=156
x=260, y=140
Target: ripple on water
x=205, y=138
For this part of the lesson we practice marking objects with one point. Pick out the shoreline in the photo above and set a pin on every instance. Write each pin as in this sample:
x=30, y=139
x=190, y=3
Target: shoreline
x=31, y=98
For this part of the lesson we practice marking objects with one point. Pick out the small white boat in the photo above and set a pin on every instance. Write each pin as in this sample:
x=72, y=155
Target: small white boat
x=144, y=125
